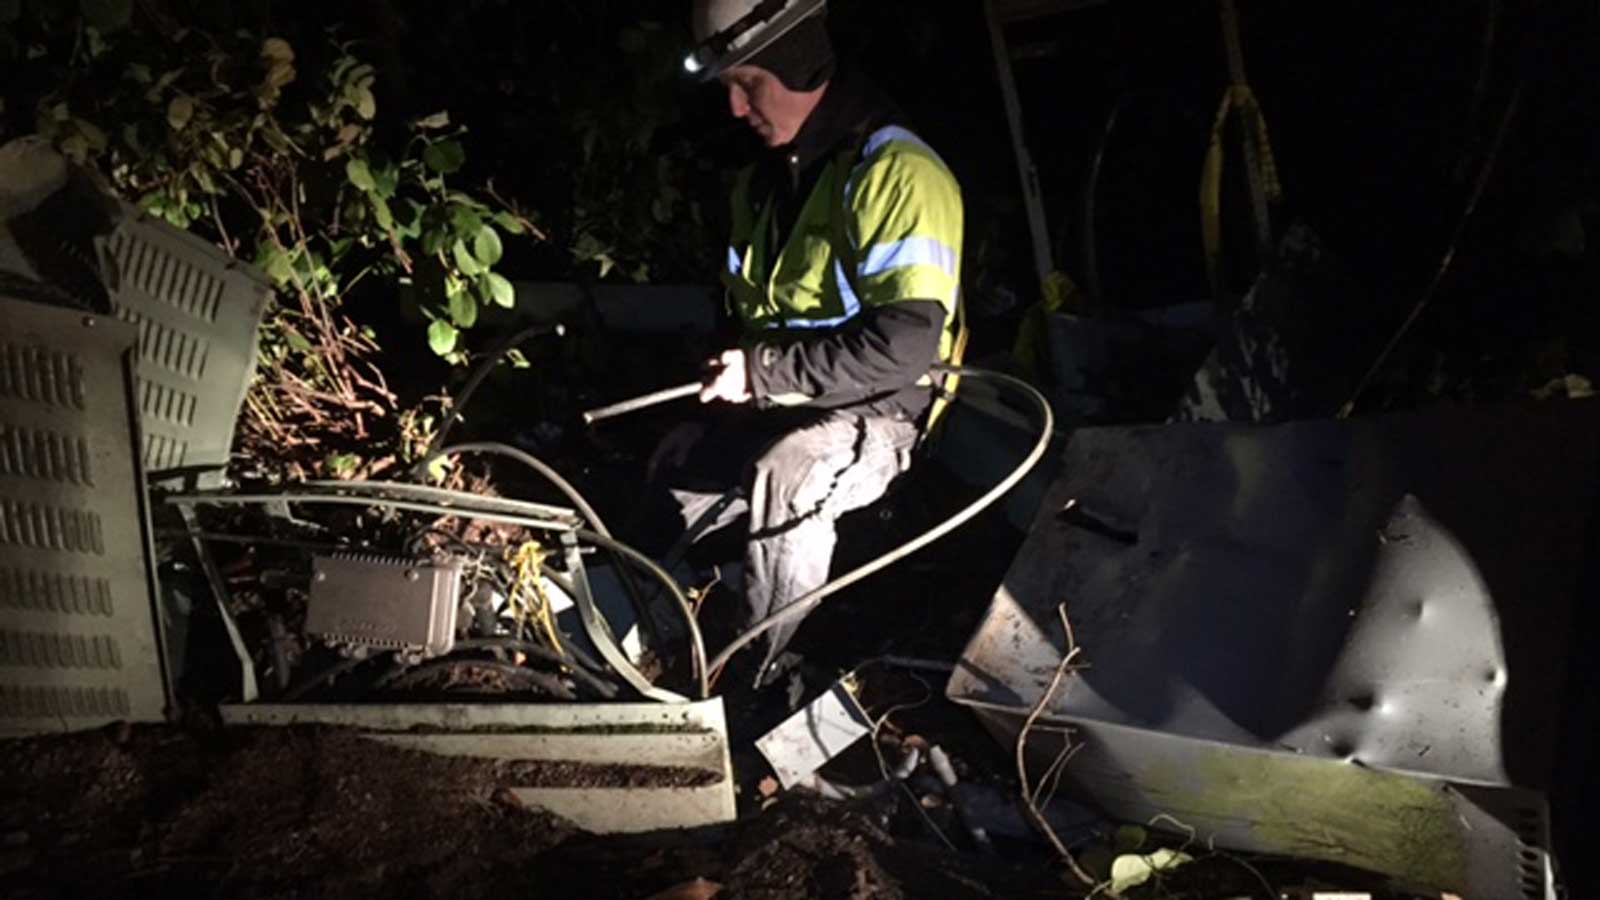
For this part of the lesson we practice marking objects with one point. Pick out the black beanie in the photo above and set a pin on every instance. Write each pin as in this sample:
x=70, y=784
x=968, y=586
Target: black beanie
x=802, y=59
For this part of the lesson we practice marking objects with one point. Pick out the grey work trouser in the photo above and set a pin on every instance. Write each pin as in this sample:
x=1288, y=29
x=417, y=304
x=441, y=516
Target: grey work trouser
x=795, y=489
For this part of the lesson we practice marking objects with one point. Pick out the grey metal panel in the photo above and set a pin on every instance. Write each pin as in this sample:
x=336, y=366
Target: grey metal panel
x=679, y=735
x=198, y=313
x=78, y=639
x=368, y=602
x=1424, y=832
x=1392, y=594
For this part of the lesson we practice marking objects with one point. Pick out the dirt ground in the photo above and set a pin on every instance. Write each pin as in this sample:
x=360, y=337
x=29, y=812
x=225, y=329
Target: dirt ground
x=142, y=812
x=305, y=812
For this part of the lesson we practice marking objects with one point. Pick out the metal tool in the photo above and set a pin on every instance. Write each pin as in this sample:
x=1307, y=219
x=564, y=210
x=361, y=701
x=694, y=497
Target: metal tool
x=644, y=402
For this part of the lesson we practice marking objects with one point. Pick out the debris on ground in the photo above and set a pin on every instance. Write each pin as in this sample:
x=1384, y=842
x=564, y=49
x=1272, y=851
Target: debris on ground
x=314, y=812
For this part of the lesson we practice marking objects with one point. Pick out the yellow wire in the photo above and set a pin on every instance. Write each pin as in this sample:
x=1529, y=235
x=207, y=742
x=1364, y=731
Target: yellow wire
x=528, y=560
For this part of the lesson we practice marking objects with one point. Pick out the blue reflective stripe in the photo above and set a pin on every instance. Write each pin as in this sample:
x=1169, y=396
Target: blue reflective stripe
x=894, y=133
x=876, y=142
x=735, y=264
x=852, y=305
x=917, y=251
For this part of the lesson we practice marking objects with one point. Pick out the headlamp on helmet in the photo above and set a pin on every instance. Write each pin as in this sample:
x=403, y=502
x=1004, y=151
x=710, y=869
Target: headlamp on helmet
x=746, y=36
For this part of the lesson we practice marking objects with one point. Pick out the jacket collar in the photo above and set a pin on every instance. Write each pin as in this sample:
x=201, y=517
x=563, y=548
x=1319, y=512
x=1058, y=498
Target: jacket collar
x=850, y=108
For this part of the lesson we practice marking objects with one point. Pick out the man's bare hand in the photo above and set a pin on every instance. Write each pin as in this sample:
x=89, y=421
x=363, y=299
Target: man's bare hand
x=674, y=448
x=730, y=381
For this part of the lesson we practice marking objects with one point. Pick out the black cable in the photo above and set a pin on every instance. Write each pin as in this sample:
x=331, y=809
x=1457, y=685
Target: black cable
x=495, y=448
x=342, y=667
x=601, y=686
x=474, y=381
x=799, y=607
x=549, y=683
x=697, y=646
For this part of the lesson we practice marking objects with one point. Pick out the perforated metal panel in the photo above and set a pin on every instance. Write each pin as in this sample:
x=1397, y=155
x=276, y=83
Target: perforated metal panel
x=78, y=641
x=197, y=314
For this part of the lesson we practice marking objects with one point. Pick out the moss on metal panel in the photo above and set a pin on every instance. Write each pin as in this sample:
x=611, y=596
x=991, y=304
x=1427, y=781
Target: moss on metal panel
x=1322, y=810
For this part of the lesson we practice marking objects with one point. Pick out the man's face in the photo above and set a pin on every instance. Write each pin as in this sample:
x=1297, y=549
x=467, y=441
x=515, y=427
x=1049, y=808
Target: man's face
x=758, y=97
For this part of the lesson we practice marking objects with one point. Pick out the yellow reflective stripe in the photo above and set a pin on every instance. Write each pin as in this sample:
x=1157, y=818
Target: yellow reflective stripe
x=906, y=222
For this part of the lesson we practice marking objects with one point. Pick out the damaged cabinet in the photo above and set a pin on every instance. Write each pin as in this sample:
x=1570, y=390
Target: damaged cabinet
x=1346, y=641
x=79, y=645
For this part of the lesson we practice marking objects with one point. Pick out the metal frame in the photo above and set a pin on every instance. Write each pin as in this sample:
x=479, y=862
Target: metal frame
x=1027, y=171
x=434, y=501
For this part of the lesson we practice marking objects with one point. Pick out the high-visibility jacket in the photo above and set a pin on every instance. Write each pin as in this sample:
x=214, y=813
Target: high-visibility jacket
x=882, y=225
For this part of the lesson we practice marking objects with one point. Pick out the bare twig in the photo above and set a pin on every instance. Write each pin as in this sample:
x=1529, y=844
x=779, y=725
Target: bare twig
x=515, y=212
x=1029, y=798
x=229, y=245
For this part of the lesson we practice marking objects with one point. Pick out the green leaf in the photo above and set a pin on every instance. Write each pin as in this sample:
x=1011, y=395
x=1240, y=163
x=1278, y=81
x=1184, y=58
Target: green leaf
x=497, y=290
x=463, y=309
x=276, y=50
x=465, y=260
x=380, y=209
x=278, y=267
x=487, y=247
x=235, y=158
x=440, y=119
x=439, y=468
x=511, y=224
x=386, y=179
x=517, y=359
x=342, y=464
x=1130, y=870
x=466, y=222
x=409, y=224
x=433, y=240
x=360, y=174
x=442, y=337
x=180, y=111
x=462, y=198
x=366, y=104
x=445, y=157
x=297, y=340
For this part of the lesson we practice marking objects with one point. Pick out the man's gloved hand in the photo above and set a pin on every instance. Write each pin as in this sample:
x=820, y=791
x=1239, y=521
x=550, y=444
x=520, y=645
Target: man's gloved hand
x=675, y=447
x=729, y=379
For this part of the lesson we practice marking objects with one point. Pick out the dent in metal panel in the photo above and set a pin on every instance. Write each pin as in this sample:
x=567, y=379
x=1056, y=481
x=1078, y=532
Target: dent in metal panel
x=1392, y=594
x=1261, y=586
x=197, y=313
x=78, y=640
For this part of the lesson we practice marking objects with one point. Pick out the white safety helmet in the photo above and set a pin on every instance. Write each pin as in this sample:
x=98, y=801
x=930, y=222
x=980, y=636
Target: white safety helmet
x=729, y=32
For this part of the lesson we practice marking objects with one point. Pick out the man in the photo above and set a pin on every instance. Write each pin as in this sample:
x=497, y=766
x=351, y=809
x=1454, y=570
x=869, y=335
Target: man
x=842, y=278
